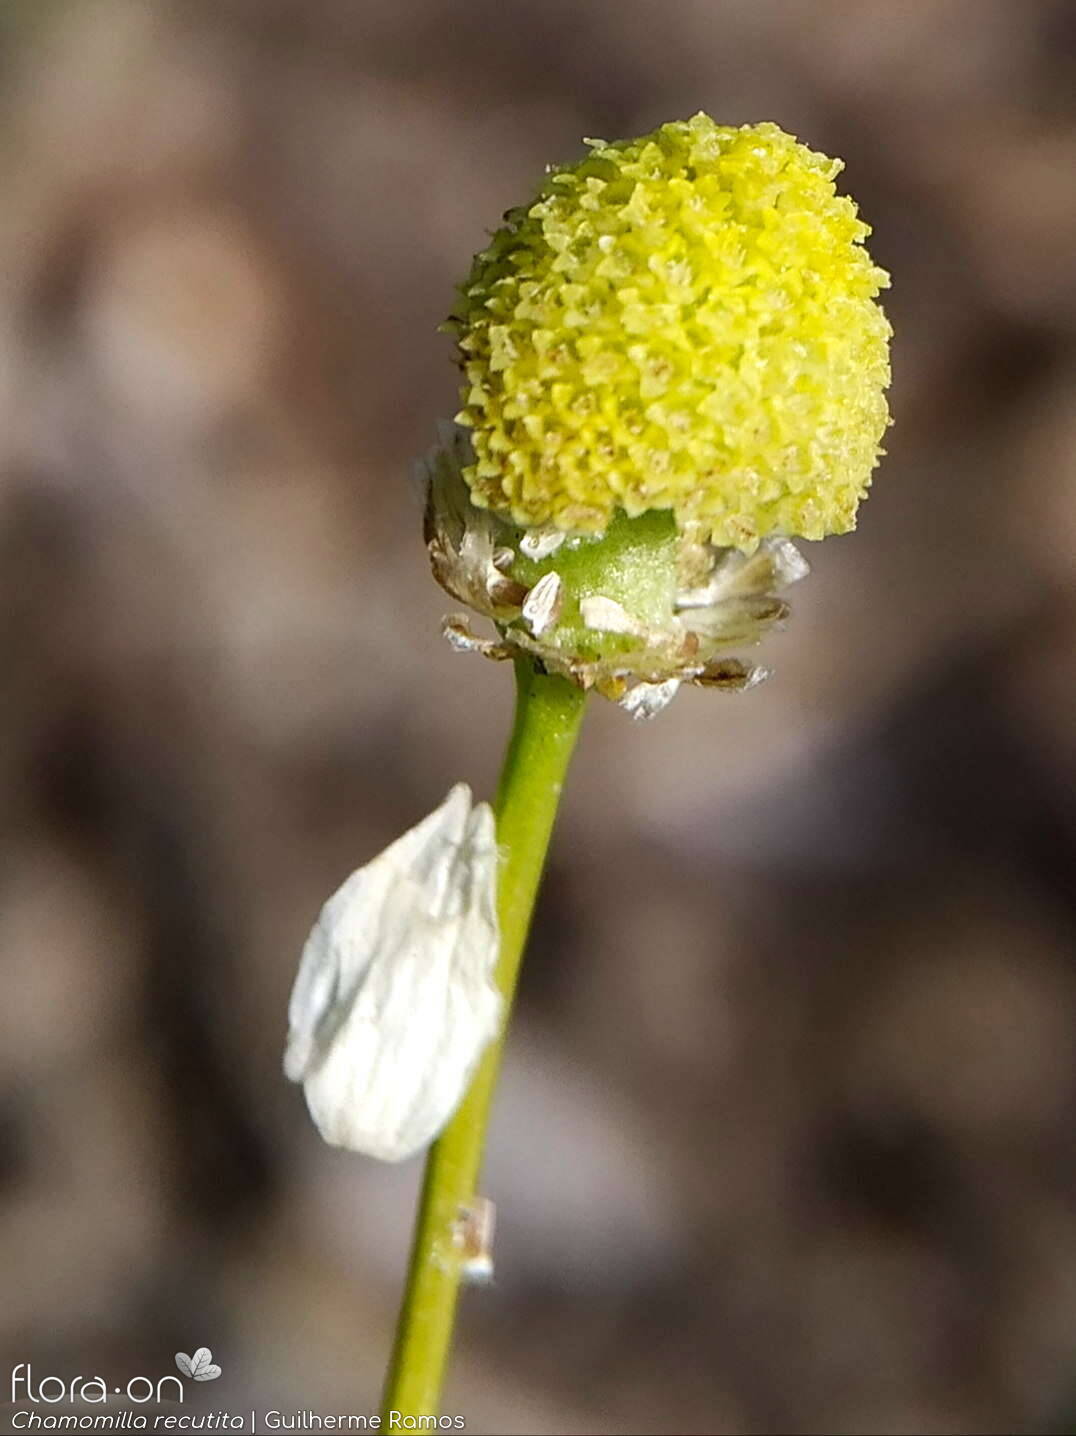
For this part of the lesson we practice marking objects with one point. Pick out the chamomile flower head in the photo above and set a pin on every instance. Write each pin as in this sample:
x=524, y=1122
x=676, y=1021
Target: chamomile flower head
x=683, y=322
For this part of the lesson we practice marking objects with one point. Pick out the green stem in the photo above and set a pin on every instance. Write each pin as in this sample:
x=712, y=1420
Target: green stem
x=548, y=713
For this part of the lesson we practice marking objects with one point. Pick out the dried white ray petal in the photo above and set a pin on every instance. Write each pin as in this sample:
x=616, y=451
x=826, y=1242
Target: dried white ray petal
x=789, y=565
x=774, y=565
x=608, y=616
x=646, y=700
x=394, y=1001
x=755, y=676
x=459, y=635
x=458, y=632
x=541, y=607
x=739, y=620
x=476, y=559
x=734, y=575
x=539, y=543
x=697, y=597
x=732, y=675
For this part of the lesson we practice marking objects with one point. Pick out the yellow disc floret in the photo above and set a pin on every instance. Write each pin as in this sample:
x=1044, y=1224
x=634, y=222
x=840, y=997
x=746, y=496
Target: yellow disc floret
x=685, y=321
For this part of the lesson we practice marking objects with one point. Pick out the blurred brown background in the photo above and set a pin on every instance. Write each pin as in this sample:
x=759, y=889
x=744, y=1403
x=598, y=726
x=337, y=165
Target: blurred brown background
x=786, y=1138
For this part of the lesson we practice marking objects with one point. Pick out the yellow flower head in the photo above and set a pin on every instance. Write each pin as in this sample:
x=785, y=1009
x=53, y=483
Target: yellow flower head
x=687, y=322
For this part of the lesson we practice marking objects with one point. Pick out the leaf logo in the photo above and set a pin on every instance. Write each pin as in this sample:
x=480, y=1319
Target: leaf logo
x=200, y=1366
